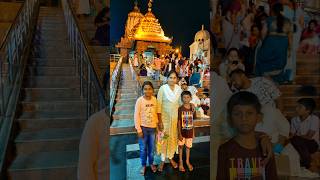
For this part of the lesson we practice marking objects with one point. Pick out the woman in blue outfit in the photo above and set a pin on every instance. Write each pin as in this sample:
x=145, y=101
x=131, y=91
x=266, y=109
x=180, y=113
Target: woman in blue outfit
x=272, y=55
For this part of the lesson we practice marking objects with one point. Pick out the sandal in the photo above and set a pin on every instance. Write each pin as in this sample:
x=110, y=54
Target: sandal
x=181, y=168
x=160, y=167
x=143, y=170
x=190, y=167
x=173, y=164
x=153, y=168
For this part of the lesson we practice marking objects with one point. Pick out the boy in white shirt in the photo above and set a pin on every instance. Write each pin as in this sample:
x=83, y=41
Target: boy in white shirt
x=304, y=130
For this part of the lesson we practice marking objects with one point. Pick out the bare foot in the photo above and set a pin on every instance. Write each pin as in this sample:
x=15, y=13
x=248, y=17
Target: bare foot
x=181, y=168
x=190, y=167
x=160, y=167
x=143, y=170
x=173, y=164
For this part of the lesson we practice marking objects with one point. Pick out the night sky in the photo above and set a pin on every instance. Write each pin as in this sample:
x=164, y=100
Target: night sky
x=178, y=18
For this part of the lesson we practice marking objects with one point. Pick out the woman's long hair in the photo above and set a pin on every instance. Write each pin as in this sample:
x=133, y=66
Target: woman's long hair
x=277, y=8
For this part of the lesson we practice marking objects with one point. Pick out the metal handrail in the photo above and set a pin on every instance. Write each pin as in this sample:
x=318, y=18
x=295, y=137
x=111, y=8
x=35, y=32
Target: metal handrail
x=13, y=57
x=115, y=79
x=90, y=86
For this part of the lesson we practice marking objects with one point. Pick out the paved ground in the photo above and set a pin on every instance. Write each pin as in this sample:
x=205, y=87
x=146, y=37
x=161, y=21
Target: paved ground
x=125, y=164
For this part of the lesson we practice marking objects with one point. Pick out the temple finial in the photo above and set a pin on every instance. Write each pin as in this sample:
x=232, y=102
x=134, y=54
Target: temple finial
x=202, y=27
x=136, y=8
x=150, y=5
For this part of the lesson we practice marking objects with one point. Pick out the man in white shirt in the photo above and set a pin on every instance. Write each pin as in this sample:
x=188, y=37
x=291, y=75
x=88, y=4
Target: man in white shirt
x=305, y=130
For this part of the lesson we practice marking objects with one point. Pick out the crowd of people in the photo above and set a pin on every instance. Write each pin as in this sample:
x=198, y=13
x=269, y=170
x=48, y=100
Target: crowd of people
x=267, y=36
x=260, y=43
x=192, y=75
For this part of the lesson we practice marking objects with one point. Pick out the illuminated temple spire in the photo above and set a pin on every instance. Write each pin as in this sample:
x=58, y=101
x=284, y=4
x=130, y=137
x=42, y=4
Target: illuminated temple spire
x=150, y=5
x=150, y=29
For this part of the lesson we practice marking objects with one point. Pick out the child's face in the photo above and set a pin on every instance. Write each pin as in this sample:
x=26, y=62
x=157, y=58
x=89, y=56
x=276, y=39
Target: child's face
x=301, y=110
x=312, y=26
x=172, y=79
x=233, y=56
x=147, y=90
x=237, y=81
x=186, y=99
x=244, y=118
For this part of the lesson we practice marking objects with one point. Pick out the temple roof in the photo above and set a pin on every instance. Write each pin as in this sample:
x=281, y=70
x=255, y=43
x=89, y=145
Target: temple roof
x=148, y=28
x=202, y=35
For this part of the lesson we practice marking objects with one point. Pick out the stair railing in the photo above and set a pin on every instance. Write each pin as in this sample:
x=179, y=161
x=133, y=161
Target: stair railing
x=14, y=52
x=90, y=86
x=115, y=79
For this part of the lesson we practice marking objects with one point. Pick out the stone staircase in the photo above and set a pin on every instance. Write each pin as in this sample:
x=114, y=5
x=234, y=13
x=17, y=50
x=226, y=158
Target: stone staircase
x=127, y=95
x=308, y=74
x=52, y=113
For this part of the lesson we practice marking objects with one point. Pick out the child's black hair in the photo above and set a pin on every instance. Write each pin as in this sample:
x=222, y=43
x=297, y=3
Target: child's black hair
x=308, y=103
x=147, y=83
x=233, y=49
x=186, y=93
x=237, y=71
x=243, y=98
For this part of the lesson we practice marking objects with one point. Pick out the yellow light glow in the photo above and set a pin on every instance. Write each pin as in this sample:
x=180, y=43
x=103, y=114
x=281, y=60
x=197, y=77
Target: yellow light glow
x=177, y=50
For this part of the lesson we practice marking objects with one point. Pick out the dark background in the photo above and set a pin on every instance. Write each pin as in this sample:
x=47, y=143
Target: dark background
x=178, y=18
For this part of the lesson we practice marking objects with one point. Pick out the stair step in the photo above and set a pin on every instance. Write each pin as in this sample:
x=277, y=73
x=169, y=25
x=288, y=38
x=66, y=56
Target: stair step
x=48, y=43
x=54, y=165
x=31, y=124
x=51, y=81
x=58, y=106
x=307, y=79
x=291, y=90
x=131, y=100
x=124, y=107
x=127, y=95
x=53, y=54
x=51, y=94
x=308, y=69
x=48, y=140
x=123, y=116
x=307, y=58
x=54, y=62
x=52, y=115
x=51, y=71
